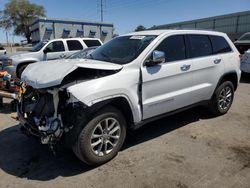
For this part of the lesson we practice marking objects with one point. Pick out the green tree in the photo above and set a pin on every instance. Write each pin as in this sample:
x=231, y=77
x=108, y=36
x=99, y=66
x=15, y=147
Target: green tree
x=140, y=28
x=19, y=14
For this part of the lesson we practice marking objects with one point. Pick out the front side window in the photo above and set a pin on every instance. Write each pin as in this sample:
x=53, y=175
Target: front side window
x=56, y=46
x=38, y=46
x=220, y=45
x=174, y=48
x=122, y=50
x=74, y=45
x=199, y=46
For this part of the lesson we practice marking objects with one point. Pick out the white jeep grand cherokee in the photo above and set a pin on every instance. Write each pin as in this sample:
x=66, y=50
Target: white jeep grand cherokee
x=89, y=104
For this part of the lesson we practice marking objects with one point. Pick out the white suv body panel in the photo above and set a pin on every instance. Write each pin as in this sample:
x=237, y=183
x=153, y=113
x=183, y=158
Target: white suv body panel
x=164, y=87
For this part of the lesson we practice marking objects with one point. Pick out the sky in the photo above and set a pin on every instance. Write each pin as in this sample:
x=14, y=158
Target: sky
x=126, y=15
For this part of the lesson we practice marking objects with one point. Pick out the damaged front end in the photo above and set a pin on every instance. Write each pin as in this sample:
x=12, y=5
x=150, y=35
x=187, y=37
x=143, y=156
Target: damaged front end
x=46, y=113
x=38, y=114
x=46, y=108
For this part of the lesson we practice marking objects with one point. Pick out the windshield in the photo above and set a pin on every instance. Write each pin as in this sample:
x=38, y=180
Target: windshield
x=38, y=46
x=122, y=50
x=82, y=54
x=245, y=37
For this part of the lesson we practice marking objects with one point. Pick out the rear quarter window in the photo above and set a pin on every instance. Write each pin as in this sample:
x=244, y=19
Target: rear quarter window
x=91, y=43
x=220, y=45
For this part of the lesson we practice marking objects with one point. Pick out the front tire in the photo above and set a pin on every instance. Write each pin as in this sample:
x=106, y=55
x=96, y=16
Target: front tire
x=102, y=138
x=222, y=98
x=20, y=70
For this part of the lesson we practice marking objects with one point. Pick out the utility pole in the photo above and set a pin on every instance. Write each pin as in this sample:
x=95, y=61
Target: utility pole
x=7, y=38
x=101, y=10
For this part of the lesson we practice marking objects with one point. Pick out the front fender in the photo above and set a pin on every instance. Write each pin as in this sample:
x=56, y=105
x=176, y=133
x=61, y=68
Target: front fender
x=109, y=87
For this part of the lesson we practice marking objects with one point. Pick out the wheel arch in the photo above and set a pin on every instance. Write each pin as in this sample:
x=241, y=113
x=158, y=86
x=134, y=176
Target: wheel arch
x=119, y=102
x=230, y=76
x=85, y=114
x=22, y=64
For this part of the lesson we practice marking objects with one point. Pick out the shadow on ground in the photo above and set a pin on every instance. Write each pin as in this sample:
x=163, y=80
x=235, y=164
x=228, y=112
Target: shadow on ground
x=7, y=108
x=26, y=158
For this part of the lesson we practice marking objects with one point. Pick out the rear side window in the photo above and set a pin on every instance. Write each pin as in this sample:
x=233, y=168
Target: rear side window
x=91, y=43
x=220, y=45
x=74, y=45
x=174, y=48
x=199, y=46
x=1, y=48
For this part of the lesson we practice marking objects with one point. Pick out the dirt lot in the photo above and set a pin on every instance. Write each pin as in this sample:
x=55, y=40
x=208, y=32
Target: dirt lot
x=190, y=149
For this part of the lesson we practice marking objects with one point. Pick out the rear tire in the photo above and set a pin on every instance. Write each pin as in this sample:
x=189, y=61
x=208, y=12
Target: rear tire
x=102, y=138
x=222, y=98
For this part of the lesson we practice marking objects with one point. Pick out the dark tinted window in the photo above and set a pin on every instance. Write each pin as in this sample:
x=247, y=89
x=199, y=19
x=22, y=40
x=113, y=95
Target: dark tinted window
x=1, y=48
x=242, y=47
x=91, y=43
x=220, y=45
x=56, y=46
x=199, y=45
x=174, y=48
x=74, y=45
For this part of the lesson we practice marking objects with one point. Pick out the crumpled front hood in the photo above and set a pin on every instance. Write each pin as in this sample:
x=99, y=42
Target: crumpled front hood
x=46, y=74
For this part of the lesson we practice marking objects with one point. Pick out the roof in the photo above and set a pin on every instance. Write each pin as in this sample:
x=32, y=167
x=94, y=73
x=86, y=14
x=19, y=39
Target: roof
x=181, y=31
x=75, y=38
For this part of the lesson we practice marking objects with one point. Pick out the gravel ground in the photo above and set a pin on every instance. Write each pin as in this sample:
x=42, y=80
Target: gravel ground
x=189, y=149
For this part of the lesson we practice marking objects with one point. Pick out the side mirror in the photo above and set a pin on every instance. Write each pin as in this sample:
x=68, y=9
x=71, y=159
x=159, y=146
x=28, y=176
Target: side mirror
x=158, y=57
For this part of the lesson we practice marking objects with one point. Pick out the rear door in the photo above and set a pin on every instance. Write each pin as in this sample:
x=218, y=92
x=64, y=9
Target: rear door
x=207, y=65
x=73, y=46
x=166, y=86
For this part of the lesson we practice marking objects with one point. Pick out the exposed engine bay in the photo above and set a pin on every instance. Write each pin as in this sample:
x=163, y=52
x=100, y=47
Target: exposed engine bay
x=40, y=114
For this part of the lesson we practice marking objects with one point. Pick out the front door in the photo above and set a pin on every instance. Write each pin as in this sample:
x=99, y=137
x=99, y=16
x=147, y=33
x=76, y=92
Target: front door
x=167, y=86
x=55, y=50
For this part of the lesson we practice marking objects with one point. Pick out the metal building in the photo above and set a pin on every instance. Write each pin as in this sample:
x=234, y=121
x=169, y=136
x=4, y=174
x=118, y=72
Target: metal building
x=46, y=29
x=234, y=24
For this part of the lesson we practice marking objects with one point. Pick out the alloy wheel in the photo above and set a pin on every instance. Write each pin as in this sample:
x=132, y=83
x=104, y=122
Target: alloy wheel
x=105, y=136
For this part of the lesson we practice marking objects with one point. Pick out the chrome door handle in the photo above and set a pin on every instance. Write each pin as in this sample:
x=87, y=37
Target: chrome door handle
x=62, y=56
x=185, y=67
x=217, y=61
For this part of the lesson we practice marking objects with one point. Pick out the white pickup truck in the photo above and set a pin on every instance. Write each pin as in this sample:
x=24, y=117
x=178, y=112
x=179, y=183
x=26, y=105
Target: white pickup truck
x=54, y=49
